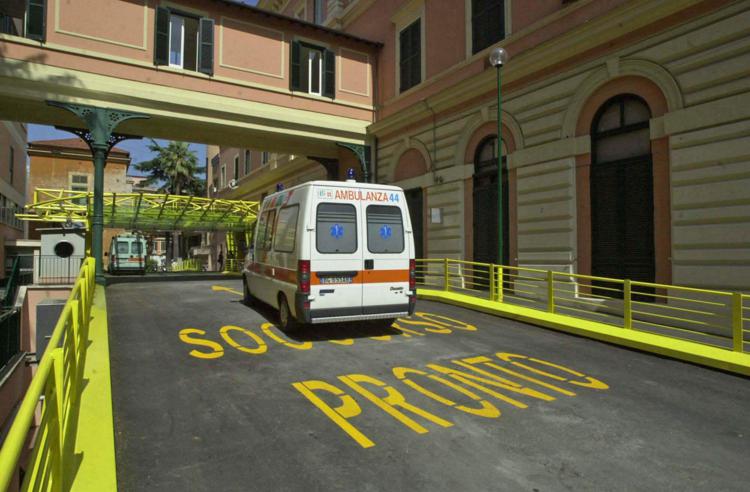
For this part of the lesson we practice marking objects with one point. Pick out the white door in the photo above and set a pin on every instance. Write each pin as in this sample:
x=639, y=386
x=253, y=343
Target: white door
x=386, y=256
x=336, y=255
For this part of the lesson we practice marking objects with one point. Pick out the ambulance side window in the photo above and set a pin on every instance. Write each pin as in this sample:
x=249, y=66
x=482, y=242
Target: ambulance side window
x=261, y=234
x=265, y=231
x=286, y=229
x=385, y=229
x=336, y=228
x=270, y=227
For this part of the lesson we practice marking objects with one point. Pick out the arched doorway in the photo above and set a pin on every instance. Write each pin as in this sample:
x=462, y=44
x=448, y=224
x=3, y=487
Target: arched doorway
x=621, y=190
x=485, y=216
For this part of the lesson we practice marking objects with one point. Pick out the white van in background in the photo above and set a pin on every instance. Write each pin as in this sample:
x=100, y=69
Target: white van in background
x=328, y=251
x=127, y=254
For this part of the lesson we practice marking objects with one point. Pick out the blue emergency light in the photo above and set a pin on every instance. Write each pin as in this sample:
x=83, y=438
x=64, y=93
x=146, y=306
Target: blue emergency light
x=279, y=187
x=350, y=174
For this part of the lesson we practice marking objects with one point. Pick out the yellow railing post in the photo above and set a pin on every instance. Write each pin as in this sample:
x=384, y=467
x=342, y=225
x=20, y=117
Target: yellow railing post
x=627, y=306
x=491, y=277
x=500, y=286
x=550, y=291
x=58, y=389
x=737, y=338
x=446, y=275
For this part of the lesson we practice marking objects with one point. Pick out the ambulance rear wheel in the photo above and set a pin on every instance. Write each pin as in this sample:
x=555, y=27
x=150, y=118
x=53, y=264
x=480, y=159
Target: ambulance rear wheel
x=288, y=323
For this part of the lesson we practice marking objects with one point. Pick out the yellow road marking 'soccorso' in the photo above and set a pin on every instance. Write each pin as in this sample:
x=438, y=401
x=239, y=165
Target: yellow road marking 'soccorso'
x=238, y=337
x=394, y=403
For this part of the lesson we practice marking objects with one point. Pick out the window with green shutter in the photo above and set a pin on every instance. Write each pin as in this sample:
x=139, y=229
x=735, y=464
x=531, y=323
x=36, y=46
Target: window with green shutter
x=487, y=23
x=184, y=41
x=25, y=18
x=410, y=56
x=35, y=19
x=313, y=70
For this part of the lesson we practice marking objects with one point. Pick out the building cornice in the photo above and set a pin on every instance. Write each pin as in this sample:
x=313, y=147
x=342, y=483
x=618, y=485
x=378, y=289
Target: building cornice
x=74, y=154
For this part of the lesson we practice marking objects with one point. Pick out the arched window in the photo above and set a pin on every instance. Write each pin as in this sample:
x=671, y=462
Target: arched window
x=485, y=220
x=622, y=194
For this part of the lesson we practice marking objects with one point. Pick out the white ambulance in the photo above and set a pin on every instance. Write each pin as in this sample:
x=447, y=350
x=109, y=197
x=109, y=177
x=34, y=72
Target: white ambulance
x=330, y=251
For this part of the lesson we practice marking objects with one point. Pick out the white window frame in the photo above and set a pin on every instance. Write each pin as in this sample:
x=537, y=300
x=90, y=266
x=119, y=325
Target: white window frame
x=223, y=176
x=182, y=43
x=71, y=185
x=403, y=18
x=265, y=158
x=236, y=167
x=469, y=33
x=310, y=64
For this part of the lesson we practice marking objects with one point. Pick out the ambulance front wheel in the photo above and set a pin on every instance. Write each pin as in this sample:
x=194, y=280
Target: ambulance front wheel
x=288, y=323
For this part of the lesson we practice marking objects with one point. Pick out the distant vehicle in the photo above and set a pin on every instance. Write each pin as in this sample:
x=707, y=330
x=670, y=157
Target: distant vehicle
x=127, y=254
x=330, y=251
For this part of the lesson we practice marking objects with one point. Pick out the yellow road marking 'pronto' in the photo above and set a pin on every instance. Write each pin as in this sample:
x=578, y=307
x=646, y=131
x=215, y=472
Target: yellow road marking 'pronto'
x=394, y=403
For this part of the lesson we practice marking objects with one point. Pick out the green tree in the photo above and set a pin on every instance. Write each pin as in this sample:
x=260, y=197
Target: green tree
x=174, y=170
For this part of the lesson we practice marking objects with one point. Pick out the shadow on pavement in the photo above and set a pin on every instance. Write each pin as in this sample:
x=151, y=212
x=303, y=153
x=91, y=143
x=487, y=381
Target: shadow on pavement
x=326, y=331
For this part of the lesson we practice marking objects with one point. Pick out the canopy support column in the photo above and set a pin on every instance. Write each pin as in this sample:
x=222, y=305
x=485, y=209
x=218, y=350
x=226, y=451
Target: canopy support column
x=100, y=137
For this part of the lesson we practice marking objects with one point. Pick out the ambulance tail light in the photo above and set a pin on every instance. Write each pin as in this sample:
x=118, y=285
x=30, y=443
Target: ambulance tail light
x=303, y=272
x=412, y=274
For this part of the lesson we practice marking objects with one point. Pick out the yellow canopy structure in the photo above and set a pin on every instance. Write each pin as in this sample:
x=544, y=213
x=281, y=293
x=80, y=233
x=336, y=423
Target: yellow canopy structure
x=143, y=211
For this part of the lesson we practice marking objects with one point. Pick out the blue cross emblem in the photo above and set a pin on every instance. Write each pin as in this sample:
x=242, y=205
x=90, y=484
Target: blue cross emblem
x=337, y=231
x=386, y=232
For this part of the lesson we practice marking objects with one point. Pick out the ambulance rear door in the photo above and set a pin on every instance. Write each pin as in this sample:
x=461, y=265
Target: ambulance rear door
x=336, y=253
x=387, y=250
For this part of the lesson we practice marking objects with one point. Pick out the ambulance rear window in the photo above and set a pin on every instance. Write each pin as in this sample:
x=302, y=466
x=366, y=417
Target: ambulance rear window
x=336, y=228
x=385, y=229
x=135, y=248
x=123, y=248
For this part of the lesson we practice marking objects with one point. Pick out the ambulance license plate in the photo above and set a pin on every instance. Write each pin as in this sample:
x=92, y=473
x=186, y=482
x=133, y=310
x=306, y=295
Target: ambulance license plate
x=336, y=280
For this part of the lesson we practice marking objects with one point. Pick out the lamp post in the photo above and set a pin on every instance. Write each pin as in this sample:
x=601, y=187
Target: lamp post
x=498, y=57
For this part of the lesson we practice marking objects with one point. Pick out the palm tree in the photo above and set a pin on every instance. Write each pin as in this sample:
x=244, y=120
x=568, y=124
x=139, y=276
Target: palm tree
x=175, y=171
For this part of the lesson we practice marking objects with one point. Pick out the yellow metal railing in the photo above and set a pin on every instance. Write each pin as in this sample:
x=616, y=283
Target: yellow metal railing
x=233, y=265
x=55, y=390
x=186, y=265
x=711, y=317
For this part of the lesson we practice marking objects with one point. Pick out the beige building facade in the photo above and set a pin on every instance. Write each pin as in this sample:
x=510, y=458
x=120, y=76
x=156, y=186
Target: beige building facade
x=625, y=129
